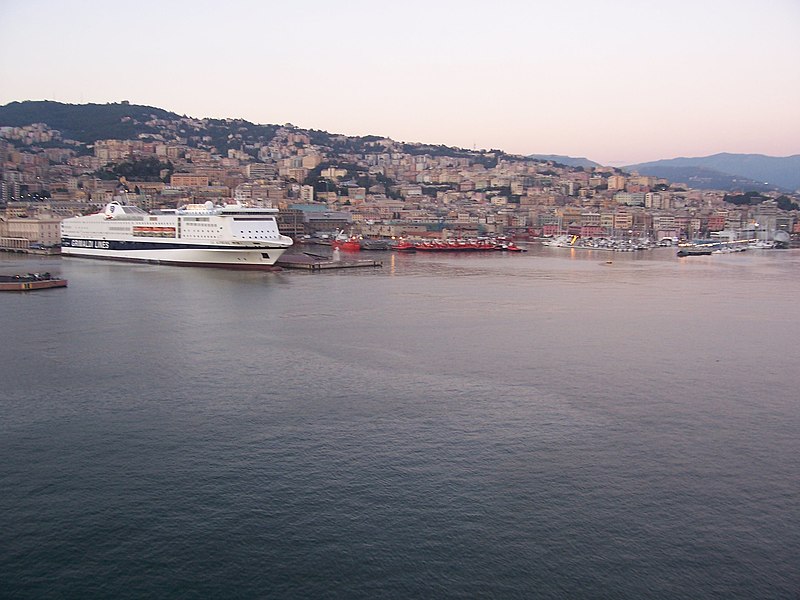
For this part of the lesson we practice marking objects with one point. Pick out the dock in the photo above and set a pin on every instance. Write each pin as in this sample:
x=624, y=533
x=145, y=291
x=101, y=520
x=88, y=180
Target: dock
x=316, y=262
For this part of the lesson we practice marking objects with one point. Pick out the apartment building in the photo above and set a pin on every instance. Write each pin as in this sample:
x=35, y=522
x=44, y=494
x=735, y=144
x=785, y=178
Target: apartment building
x=188, y=180
x=616, y=182
x=630, y=198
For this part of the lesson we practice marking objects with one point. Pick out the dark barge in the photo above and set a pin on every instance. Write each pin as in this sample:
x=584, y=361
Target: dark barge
x=30, y=281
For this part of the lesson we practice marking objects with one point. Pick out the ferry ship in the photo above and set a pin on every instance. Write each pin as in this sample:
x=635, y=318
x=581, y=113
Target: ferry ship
x=204, y=235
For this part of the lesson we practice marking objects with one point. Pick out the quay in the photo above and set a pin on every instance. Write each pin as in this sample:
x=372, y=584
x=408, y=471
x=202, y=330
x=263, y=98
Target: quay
x=316, y=262
x=42, y=251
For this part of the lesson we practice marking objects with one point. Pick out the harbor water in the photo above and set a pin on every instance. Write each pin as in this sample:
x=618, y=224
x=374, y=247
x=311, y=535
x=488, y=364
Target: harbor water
x=553, y=424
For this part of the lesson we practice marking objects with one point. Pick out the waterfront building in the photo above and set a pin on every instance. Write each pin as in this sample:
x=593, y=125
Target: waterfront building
x=716, y=221
x=317, y=218
x=22, y=233
x=622, y=221
x=590, y=219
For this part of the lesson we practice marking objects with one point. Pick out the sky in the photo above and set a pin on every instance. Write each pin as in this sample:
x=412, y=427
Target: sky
x=617, y=81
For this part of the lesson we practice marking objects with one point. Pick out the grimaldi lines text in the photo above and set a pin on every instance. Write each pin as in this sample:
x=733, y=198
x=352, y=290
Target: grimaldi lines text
x=230, y=236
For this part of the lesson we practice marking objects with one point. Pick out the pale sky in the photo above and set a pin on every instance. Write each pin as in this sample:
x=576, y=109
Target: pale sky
x=617, y=81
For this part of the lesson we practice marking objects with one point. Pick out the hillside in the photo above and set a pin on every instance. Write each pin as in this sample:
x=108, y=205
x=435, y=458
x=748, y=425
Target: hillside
x=88, y=123
x=742, y=170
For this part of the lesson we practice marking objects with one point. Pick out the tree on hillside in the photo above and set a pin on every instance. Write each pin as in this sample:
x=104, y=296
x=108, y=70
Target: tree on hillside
x=138, y=169
x=748, y=198
x=786, y=203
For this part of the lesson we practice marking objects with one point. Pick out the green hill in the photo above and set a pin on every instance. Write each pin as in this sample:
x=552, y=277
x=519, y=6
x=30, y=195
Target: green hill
x=88, y=123
x=85, y=122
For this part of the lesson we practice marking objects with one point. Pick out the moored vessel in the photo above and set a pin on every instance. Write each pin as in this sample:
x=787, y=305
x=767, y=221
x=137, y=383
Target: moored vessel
x=458, y=245
x=695, y=251
x=346, y=243
x=351, y=245
x=405, y=247
x=761, y=245
x=30, y=281
x=231, y=236
x=374, y=244
x=600, y=243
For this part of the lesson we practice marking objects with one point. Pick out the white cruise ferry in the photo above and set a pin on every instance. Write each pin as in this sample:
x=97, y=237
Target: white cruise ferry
x=230, y=236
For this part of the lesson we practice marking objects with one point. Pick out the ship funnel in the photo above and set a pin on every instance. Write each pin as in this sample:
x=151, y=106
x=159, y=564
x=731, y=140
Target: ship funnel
x=112, y=208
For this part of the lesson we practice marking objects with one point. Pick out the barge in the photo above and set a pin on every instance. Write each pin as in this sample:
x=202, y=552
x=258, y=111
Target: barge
x=30, y=281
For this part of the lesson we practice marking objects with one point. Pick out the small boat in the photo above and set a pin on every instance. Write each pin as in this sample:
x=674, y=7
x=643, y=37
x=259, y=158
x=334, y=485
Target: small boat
x=30, y=281
x=761, y=245
x=352, y=245
x=405, y=247
x=561, y=241
x=346, y=243
x=510, y=247
x=729, y=249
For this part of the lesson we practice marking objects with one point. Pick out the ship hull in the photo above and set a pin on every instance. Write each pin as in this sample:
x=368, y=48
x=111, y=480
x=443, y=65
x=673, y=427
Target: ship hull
x=25, y=284
x=225, y=258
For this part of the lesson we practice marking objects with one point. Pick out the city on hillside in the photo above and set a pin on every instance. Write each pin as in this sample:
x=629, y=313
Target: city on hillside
x=375, y=187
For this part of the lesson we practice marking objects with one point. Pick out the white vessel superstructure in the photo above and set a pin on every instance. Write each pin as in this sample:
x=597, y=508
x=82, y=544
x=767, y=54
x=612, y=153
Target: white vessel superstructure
x=208, y=235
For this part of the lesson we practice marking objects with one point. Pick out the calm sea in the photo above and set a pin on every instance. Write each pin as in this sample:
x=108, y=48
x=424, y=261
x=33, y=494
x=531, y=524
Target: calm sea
x=540, y=425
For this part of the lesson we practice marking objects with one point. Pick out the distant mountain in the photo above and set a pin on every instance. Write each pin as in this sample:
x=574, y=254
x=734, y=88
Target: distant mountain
x=703, y=179
x=751, y=171
x=566, y=160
